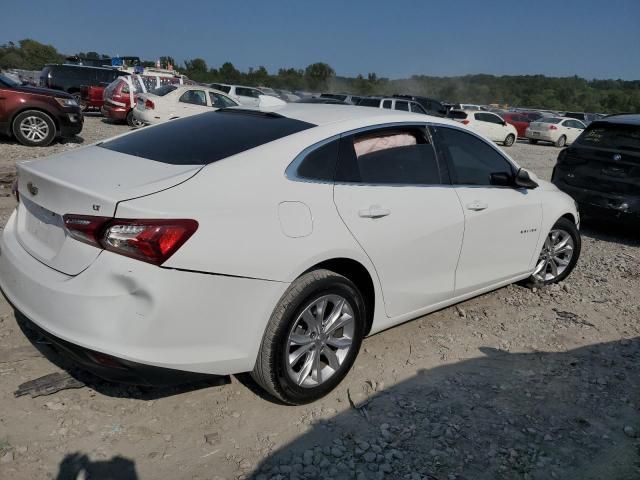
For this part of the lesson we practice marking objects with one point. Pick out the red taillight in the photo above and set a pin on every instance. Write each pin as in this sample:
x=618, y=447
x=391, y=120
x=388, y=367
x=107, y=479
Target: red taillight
x=152, y=241
x=552, y=127
x=149, y=104
x=465, y=122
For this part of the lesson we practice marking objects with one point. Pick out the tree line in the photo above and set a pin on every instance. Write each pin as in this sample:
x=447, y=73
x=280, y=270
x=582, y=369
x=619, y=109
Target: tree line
x=534, y=91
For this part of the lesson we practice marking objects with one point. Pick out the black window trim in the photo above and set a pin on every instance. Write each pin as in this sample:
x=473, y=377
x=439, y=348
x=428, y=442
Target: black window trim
x=450, y=167
x=290, y=172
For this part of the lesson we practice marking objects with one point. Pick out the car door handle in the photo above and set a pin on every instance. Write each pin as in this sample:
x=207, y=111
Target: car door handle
x=374, y=211
x=477, y=206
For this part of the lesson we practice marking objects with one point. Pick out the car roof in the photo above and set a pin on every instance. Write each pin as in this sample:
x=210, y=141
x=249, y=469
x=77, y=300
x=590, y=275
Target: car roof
x=325, y=114
x=625, y=119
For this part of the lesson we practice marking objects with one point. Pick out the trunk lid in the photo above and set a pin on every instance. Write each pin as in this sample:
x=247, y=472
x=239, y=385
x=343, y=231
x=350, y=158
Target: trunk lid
x=603, y=170
x=87, y=181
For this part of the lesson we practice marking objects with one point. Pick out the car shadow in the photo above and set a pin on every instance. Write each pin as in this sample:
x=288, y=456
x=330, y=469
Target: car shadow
x=110, y=389
x=529, y=416
x=77, y=465
x=611, y=231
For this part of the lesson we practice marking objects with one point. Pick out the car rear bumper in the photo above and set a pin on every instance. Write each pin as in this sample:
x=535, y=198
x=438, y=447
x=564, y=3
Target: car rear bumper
x=600, y=204
x=115, y=112
x=139, y=313
x=542, y=136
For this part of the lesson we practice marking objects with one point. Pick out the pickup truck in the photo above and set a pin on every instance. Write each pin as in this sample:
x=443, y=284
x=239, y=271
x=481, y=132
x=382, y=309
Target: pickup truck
x=91, y=96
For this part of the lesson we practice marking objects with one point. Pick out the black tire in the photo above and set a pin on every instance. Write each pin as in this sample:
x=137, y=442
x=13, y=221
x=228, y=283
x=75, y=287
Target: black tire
x=533, y=141
x=569, y=227
x=22, y=121
x=510, y=140
x=270, y=371
x=561, y=142
x=133, y=121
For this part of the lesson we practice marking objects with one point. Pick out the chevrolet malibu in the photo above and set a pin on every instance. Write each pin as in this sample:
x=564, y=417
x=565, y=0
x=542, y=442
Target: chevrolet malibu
x=271, y=242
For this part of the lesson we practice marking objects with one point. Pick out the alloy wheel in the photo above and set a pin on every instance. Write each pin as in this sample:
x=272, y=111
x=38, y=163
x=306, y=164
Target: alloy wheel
x=34, y=129
x=555, y=256
x=320, y=340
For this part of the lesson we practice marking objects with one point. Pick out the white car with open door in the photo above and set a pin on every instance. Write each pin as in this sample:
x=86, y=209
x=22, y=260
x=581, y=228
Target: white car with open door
x=557, y=130
x=173, y=101
x=273, y=244
x=488, y=124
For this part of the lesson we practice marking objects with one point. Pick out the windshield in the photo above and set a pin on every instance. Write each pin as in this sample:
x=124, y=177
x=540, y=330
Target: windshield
x=549, y=120
x=163, y=90
x=8, y=81
x=619, y=137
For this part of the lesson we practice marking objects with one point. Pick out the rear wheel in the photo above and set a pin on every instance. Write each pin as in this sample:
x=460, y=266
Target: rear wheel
x=561, y=142
x=533, y=141
x=509, y=140
x=34, y=128
x=559, y=255
x=312, y=338
x=132, y=121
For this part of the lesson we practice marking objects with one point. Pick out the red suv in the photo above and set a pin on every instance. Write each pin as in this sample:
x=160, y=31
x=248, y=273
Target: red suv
x=35, y=116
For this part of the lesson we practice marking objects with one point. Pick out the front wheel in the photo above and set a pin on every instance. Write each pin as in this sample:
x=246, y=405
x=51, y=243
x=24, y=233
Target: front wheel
x=34, y=128
x=312, y=339
x=559, y=254
x=509, y=140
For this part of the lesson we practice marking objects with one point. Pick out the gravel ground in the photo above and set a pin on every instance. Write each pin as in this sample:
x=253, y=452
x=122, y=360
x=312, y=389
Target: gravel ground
x=515, y=384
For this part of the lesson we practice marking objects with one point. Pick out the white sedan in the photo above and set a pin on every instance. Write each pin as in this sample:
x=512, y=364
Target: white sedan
x=557, y=130
x=173, y=101
x=273, y=244
x=488, y=124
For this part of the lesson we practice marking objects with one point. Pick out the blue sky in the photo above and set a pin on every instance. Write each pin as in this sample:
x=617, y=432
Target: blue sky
x=589, y=38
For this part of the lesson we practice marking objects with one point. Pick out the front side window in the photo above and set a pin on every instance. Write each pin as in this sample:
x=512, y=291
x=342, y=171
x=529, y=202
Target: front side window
x=194, y=97
x=417, y=108
x=473, y=160
x=404, y=106
x=220, y=101
x=369, y=102
x=389, y=156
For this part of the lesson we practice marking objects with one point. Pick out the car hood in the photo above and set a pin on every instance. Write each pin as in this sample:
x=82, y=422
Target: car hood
x=42, y=91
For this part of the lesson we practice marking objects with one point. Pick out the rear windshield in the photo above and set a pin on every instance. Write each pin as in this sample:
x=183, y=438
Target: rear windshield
x=369, y=102
x=163, y=90
x=206, y=138
x=455, y=114
x=549, y=120
x=618, y=137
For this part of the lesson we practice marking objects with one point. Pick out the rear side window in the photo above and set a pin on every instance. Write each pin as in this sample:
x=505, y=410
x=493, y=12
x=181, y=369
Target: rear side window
x=613, y=136
x=319, y=164
x=389, y=156
x=222, y=88
x=194, y=97
x=387, y=104
x=472, y=159
x=220, y=135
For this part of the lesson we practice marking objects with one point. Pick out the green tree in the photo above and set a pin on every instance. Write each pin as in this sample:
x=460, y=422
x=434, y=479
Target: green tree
x=318, y=75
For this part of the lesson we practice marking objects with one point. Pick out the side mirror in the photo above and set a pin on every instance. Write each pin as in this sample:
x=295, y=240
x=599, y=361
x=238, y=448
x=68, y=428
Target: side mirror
x=523, y=179
x=501, y=179
x=504, y=123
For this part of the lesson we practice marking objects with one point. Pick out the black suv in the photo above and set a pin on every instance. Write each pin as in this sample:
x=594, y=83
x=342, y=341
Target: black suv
x=433, y=107
x=69, y=78
x=601, y=168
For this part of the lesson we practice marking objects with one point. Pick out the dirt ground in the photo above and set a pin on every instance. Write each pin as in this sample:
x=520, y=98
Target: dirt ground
x=515, y=384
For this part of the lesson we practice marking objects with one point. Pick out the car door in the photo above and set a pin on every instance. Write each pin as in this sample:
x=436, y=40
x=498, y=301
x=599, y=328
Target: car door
x=247, y=96
x=574, y=129
x=389, y=192
x=483, y=125
x=502, y=223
